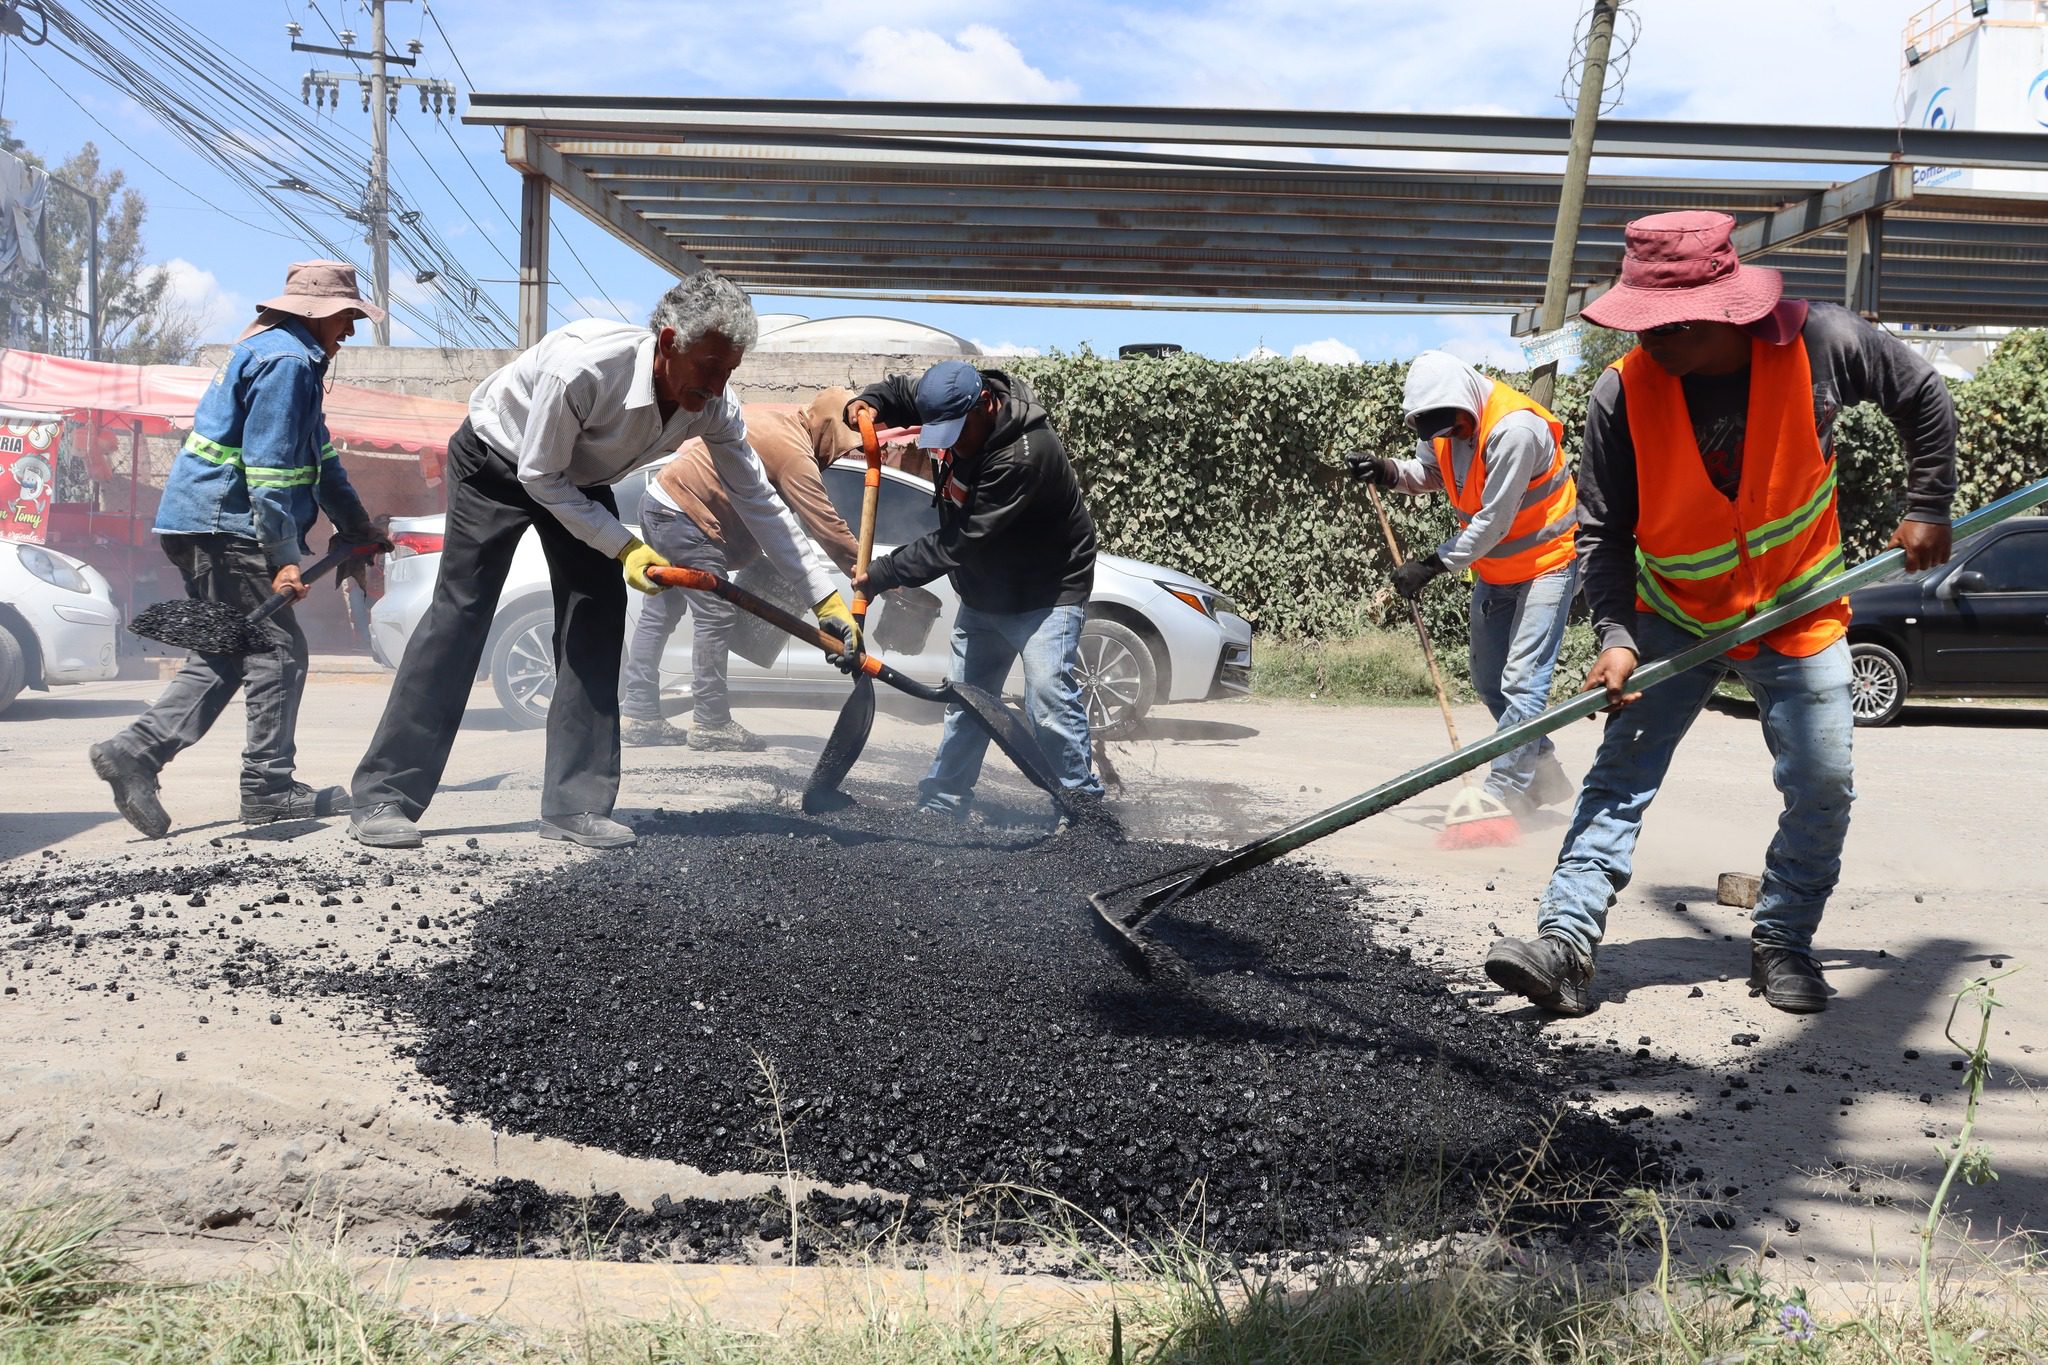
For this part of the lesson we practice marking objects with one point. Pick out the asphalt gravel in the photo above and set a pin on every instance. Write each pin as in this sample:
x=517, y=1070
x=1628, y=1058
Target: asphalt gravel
x=916, y=1008
x=202, y=627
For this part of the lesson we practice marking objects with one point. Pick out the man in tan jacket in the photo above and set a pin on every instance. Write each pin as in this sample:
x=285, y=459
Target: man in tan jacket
x=686, y=516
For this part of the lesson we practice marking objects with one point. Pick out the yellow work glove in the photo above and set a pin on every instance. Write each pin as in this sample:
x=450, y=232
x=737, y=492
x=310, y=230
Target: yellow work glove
x=833, y=616
x=639, y=557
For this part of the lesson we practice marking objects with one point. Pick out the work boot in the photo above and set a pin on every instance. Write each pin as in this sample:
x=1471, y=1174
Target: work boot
x=1552, y=974
x=383, y=825
x=298, y=802
x=730, y=737
x=134, y=784
x=588, y=829
x=650, y=733
x=1788, y=978
x=1549, y=786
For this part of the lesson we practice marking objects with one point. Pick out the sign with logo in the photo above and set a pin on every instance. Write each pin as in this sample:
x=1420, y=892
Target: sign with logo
x=28, y=476
x=1986, y=77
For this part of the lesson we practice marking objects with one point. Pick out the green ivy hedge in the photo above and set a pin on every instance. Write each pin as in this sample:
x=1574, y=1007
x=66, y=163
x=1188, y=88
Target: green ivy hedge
x=1233, y=471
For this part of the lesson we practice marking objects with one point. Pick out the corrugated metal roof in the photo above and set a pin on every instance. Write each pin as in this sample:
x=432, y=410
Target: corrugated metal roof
x=909, y=200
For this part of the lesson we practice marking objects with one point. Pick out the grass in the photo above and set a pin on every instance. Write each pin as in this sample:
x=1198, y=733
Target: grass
x=1381, y=666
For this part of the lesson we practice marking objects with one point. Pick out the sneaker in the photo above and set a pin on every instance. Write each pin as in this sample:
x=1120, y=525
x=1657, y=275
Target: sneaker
x=1549, y=786
x=383, y=825
x=1788, y=978
x=134, y=784
x=649, y=733
x=731, y=737
x=1549, y=972
x=589, y=830
x=299, y=802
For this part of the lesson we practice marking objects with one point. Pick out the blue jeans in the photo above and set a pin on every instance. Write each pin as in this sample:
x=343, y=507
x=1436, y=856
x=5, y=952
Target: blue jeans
x=985, y=644
x=1516, y=631
x=680, y=541
x=1804, y=706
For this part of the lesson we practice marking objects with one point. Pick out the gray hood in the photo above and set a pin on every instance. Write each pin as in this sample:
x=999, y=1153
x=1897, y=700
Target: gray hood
x=1438, y=379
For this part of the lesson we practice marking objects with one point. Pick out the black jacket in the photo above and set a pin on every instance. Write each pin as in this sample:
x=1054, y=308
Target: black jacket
x=1014, y=534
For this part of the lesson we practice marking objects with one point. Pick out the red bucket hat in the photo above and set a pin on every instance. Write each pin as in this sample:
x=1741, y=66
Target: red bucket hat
x=1682, y=267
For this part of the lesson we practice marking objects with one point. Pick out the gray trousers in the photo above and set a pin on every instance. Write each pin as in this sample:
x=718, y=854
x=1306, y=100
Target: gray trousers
x=680, y=541
x=230, y=570
x=488, y=513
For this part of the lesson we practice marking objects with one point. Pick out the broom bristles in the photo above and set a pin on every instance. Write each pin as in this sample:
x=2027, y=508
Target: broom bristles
x=1478, y=819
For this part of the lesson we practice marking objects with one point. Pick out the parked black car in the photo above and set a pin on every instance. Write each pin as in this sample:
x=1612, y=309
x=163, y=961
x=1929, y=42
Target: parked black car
x=1975, y=627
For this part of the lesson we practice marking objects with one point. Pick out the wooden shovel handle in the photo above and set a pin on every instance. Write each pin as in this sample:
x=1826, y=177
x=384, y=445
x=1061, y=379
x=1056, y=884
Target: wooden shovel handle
x=1443, y=700
x=871, y=495
x=699, y=580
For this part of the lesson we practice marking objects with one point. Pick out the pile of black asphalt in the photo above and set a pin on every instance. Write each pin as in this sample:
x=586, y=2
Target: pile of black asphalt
x=892, y=1004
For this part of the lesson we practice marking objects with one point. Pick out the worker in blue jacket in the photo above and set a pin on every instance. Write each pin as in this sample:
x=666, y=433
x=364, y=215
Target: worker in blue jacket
x=252, y=478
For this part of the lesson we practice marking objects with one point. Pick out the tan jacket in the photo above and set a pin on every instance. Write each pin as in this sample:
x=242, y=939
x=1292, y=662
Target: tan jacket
x=795, y=446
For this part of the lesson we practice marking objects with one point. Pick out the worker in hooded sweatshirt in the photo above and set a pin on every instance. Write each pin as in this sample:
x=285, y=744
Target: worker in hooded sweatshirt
x=1499, y=455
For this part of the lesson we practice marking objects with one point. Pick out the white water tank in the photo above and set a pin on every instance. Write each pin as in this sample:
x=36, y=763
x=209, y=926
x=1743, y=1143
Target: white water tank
x=864, y=335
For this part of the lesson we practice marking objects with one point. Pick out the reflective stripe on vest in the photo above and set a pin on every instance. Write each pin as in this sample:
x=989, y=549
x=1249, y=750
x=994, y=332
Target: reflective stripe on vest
x=1542, y=536
x=1705, y=563
x=258, y=476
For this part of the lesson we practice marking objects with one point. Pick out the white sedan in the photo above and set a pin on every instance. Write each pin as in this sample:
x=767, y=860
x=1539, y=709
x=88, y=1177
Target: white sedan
x=1153, y=634
x=58, y=621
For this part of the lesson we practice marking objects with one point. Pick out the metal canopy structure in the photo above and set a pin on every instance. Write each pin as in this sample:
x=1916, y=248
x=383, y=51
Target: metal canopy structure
x=1112, y=206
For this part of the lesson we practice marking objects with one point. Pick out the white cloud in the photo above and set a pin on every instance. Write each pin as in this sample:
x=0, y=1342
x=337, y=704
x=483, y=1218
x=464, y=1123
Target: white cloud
x=980, y=64
x=1004, y=348
x=1260, y=352
x=1482, y=341
x=599, y=306
x=219, y=313
x=1328, y=351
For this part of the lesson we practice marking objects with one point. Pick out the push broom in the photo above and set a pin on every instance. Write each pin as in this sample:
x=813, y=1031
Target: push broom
x=1476, y=818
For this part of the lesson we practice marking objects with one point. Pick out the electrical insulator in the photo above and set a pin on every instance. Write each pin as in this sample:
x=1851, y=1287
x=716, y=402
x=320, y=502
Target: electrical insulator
x=415, y=46
x=306, y=90
x=391, y=104
x=292, y=30
x=423, y=99
x=347, y=36
x=366, y=96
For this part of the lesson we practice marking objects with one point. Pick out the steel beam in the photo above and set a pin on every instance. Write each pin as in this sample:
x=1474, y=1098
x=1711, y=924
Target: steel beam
x=533, y=258
x=1863, y=267
x=1495, y=134
x=1821, y=213
x=532, y=156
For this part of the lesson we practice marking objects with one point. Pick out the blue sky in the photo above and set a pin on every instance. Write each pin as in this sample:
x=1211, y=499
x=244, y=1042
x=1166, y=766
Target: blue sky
x=1785, y=61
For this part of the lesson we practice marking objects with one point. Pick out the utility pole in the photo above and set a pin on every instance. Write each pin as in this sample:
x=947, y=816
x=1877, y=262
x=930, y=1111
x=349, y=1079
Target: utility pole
x=377, y=202
x=380, y=100
x=1571, y=198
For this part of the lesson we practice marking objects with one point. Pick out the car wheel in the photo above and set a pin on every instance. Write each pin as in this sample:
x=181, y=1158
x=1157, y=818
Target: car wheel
x=1119, y=681
x=1877, y=684
x=13, y=668
x=523, y=667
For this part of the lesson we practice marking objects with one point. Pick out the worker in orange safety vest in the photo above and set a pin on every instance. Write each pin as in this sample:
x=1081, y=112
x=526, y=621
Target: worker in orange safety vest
x=1499, y=455
x=1707, y=486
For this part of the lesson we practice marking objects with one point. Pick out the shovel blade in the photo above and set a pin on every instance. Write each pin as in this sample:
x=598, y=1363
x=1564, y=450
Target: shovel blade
x=202, y=627
x=842, y=748
x=1011, y=735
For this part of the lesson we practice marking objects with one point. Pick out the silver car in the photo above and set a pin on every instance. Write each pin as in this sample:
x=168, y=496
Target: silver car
x=1153, y=634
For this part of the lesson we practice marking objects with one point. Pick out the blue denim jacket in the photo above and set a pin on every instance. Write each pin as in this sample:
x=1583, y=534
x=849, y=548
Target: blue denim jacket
x=259, y=462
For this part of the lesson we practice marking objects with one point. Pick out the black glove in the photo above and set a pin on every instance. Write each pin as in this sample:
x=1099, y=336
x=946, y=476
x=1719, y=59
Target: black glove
x=1411, y=578
x=1370, y=469
x=847, y=661
x=357, y=566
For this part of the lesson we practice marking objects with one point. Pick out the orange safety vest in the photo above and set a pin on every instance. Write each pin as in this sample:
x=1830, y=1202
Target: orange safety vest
x=1543, y=535
x=1704, y=563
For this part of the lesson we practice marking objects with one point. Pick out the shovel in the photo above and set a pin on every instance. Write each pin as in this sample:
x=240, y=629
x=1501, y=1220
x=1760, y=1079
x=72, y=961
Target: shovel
x=1120, y=928
x=857, y=717
x=1010, y=733
x=215, y=628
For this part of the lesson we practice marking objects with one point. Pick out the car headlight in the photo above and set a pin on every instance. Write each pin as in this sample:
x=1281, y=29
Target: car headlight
x=1200, y=599
x=1222, y=603
x=59, y=571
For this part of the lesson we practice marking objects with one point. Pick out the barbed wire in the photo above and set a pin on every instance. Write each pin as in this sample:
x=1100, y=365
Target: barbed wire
x=1628, y=29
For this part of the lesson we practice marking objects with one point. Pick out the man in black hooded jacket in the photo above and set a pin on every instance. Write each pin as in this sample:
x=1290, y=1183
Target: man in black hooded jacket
x=1016, y=542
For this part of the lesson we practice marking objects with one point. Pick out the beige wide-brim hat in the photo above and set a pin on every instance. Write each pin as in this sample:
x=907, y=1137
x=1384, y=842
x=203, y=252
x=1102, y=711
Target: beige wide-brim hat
x=320, y=289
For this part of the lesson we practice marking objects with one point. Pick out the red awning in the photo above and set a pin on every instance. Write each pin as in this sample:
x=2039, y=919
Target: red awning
x=164, y=397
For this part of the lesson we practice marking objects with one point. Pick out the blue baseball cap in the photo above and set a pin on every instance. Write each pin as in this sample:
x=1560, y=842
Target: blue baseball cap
x=945, y=395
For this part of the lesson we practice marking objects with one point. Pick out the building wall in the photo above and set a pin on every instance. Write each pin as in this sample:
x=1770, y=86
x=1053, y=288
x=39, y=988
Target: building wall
x=437, y=372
